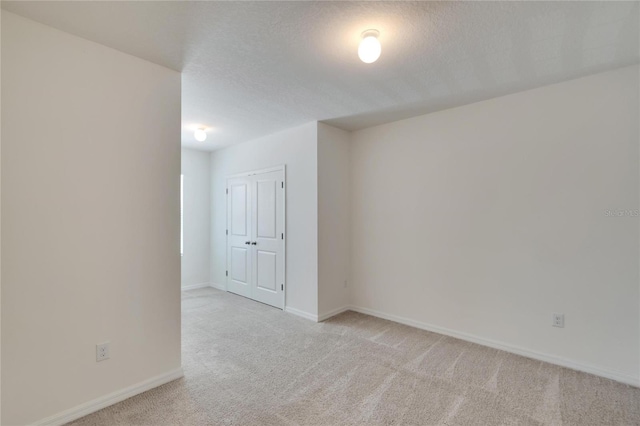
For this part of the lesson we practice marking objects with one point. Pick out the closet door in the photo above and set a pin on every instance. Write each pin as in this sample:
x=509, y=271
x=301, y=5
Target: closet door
x=239, y=232
x=267, y=245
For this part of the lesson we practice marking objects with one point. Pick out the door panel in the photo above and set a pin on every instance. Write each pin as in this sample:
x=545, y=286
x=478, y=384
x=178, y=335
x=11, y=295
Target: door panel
x=239, y=221
x=268, y=220
x=266, y=208
x=239, y=255
x=239, y=263
x=266, y=265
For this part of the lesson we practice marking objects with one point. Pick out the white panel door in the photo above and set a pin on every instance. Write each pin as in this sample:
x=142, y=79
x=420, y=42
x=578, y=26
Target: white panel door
x=239, y=256
x=255, y=236
x=268, y=238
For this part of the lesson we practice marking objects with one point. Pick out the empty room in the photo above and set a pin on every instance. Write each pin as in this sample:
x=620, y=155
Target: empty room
x=319, y=213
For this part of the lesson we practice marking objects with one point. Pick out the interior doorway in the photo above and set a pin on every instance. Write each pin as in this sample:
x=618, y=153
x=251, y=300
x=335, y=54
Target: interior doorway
x=256, y=235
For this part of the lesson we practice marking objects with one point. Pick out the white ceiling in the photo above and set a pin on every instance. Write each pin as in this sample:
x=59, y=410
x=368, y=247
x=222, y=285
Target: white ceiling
x=254, y=68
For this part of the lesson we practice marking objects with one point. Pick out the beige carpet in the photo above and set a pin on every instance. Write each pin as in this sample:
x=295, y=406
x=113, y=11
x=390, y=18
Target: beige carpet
x=249, y=364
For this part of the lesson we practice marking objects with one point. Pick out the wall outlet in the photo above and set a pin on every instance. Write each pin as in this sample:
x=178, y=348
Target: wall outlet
x=558, y=320
x=345, y=283
x=102, y=351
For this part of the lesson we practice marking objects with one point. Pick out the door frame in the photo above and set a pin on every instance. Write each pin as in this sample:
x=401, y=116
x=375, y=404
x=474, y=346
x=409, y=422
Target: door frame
x=283, y=168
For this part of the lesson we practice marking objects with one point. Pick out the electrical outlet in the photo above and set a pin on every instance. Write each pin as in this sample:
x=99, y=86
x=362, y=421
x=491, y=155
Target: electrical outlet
x=345, y=283
x=102, y=351
x=558, y=320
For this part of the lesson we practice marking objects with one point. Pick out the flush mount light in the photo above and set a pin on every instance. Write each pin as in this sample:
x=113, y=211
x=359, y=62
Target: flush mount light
x=200, y=134
x=369, y=49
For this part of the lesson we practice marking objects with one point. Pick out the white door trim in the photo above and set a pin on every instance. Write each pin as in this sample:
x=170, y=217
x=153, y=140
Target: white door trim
x=258, y=172
x=282, y=168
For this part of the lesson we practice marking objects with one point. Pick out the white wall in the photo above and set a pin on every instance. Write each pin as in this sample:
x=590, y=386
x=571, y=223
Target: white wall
x=297, y=148
x=333, y=219
x=196, y=170
x=486, y=219
x=90, y=220
x=0, y=222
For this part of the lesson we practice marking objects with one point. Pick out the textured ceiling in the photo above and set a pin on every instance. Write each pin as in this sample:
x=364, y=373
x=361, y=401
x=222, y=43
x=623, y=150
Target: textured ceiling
x=253, y=68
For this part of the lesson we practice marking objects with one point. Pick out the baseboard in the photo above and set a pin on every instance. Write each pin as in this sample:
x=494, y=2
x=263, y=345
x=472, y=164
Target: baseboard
x=551, y=359
x=333, y=313
x=218, y=286
x=203, y=285
x=194, y=286
x=300, y=313
x=110, y=399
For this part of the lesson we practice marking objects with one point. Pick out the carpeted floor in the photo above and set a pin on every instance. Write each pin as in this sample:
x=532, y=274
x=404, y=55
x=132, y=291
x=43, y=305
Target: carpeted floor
x=249, y=364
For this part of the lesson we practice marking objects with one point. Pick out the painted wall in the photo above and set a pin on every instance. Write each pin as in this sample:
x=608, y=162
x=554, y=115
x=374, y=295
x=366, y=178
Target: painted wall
x=0, y=223
x=90, y=220
x=488, y=218
x=333, y=219
x=196, y=171
x=297, y=148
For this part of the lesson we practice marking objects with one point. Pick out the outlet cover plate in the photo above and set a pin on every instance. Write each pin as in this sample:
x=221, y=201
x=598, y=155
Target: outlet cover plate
x=558, y=320
x=102, y=351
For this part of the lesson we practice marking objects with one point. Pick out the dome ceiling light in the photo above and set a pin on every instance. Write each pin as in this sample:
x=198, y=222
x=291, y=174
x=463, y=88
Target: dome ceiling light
x=370, y=48
x=200, y=134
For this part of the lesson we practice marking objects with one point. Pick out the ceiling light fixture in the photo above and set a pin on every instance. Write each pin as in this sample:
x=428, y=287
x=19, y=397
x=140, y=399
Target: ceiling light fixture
x=369, y=49
x=200, y=134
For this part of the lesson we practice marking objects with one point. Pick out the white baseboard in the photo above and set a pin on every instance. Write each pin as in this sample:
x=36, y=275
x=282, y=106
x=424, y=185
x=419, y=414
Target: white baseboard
x=219, y=286
x=203, y=285
x=110, y=399
x=300, y=313
x=194, y=286
x=551, y=359
x=316, y=318
x=332, y=313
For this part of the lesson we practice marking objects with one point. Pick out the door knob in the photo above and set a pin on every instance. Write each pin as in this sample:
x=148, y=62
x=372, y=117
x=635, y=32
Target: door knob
x=254, y=243
x=247, y=242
